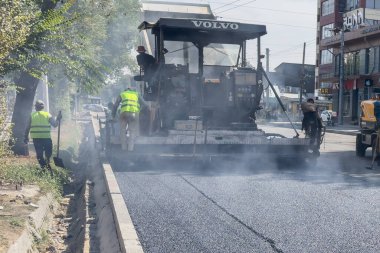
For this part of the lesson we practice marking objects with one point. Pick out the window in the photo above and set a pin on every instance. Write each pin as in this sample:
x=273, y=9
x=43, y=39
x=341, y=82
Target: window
x=327, y=31
x=370, y=22
x=182, y=53
x=327, y=7
x=326, y=76
x=351, y=63
x=363, y=61
x=221, y=54
x=352, y=5
x=372, y=4
x=373, y=60
x=326, y=57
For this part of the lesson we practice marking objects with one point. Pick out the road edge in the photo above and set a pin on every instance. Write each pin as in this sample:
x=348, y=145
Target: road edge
x=128, y=239
x=126, y=232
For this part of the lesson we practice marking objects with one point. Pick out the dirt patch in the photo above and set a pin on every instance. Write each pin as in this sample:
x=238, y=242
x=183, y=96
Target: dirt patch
x=15, y=207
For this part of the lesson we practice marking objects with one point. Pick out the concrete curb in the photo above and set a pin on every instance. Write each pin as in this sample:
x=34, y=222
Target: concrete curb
x=36, y=219
x=87, y=236
x=128, y=239
x=333, y=131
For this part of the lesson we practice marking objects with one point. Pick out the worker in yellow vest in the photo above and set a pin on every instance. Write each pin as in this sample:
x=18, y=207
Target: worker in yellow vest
x=129, y=101
x=39, y=126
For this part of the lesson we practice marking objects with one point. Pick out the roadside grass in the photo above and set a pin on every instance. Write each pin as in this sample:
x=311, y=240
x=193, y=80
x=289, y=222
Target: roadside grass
x=42, y=243
x=25, y=170
x=70, y=138
x=15, y=170
x=17, y=222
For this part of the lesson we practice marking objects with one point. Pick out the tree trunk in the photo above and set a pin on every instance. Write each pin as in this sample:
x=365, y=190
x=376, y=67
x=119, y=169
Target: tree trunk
x=27, y=86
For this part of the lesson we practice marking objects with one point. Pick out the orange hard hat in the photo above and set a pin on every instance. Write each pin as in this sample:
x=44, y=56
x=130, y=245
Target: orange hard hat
x=141, y=49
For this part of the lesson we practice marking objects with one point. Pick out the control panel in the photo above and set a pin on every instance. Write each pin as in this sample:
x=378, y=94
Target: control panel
x=244, y=86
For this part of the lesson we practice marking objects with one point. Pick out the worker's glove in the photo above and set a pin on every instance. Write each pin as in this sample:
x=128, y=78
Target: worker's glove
x=59, y=116
x=26, y=140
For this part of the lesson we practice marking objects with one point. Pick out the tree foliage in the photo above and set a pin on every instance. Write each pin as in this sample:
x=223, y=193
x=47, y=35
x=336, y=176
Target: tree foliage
x=16, y=21
x=86, y=40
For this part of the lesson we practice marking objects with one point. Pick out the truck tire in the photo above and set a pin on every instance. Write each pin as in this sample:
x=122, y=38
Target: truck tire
x=360, y=147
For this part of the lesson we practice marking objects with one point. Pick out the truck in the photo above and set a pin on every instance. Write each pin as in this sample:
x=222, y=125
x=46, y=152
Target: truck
x=204, y=95
x=368, y=129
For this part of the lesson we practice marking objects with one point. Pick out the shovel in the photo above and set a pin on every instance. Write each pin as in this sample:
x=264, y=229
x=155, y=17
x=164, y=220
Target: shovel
x=58, y=161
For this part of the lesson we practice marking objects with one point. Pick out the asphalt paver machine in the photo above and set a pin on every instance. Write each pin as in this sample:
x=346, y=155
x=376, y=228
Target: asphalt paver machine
x=204, y=97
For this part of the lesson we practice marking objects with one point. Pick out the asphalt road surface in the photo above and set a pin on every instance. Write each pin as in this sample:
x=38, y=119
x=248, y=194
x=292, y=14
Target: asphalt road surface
x=259, y=207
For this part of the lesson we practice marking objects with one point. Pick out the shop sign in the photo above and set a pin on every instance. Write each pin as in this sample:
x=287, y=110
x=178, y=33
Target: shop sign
x=353, y=20
x=325, y=91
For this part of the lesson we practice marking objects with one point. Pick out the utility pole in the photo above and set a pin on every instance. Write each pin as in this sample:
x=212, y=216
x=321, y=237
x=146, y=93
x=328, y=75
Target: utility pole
x=341, y=78
x=303, y=72
x=267, y=70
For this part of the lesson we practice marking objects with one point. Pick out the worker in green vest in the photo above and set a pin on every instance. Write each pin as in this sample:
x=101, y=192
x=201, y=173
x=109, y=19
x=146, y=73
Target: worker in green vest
x=129, y=101
x=39, y=125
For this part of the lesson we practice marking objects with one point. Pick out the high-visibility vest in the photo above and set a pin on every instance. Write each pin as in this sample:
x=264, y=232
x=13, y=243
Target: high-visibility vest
x=129, y=101
x=40, y=125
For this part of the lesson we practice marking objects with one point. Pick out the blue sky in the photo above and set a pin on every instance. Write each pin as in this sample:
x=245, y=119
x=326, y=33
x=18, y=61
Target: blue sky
x=289, y=25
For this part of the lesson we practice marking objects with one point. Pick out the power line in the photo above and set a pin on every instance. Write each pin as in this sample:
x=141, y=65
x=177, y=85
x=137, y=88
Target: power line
x=226, y=5
x=293, y=48
x=269, y=9
x=237, y=6
x=263, y=23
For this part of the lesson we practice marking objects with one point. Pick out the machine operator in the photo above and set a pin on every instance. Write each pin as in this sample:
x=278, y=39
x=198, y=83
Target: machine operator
x=146, y=63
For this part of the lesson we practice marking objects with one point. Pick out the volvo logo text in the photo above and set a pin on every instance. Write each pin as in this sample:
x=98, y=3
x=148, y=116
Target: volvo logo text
x=215, y=24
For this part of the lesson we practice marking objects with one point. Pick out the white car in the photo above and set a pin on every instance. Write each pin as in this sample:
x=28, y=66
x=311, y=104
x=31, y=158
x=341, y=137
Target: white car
x=328, y=117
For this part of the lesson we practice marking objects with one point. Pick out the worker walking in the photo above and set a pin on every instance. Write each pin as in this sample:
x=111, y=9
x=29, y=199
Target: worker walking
x=129, y=117
x=312, y=124
x=39, y=126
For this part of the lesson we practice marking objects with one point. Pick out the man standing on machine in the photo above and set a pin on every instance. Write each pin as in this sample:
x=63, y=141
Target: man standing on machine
x=129, y=116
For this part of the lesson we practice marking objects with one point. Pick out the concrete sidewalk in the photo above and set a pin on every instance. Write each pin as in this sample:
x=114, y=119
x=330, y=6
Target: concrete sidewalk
x=346, y=129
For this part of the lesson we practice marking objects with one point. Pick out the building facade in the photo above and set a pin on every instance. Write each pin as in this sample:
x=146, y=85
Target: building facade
x=357, y=23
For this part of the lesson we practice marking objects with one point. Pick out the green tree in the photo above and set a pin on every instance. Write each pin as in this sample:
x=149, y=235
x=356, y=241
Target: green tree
x=16, y=17
x=75, y=38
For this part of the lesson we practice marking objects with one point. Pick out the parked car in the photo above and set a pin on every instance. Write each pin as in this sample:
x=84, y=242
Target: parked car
x=93, y=107
x=329, y=117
